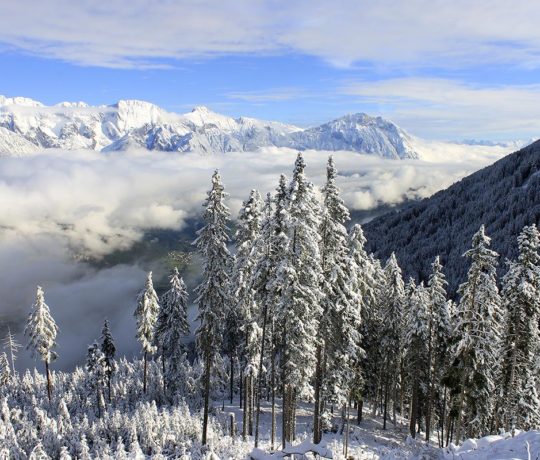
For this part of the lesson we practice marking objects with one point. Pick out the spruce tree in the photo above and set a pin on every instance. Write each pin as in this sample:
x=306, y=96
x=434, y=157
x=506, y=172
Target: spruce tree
x=5, y=371
x=172, y=327
x=338, y=336
x=392, y=298
x=475, y=354
x=298, y=310
x=439, y=336
x=108, y=348
x=213, y=295
x=41, y=331
x=521, y=340
x=146, y=313
x=96, y=365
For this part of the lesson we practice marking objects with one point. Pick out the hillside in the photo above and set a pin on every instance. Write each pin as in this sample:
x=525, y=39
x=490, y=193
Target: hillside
x=504, y=196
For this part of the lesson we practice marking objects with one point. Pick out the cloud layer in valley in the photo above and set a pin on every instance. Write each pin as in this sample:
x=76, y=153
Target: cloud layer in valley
x=59, y=206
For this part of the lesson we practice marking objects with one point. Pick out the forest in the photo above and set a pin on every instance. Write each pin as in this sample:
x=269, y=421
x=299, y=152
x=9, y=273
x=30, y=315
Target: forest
x=293, y=312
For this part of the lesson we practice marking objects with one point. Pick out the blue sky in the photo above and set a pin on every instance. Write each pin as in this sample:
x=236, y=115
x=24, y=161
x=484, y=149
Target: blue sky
x=447, y=70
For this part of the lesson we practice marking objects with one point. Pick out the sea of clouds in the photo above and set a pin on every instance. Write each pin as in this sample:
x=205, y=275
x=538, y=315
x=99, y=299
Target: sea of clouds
x=57, y=208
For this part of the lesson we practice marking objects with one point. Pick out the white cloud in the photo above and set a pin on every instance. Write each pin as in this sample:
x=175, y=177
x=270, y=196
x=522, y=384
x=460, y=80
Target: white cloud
x=138, y=33
x=443, y=108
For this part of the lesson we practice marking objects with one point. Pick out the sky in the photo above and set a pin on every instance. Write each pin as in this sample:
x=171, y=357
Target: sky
x=442, y=70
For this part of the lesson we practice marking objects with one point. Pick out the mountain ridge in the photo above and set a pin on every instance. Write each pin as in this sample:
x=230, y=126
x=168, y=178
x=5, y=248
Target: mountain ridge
x=129, y=123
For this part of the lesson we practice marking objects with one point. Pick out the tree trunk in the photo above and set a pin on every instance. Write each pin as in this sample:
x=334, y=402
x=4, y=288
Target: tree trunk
x=232, y=380
x=109, y=386
x=144, y=372
x=414, y=410
x=207, y=369
x=360, y=405
x=317, y=431
x=241, y=389
x=385, y=404
x=259, y=383
x=273, y=383
x=246, y=409
x=346, y=440
x=430, y=382
x=49, y=386
x=460, y=411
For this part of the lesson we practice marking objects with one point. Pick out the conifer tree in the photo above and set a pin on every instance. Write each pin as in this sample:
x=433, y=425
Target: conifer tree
x=213, y=294
x=416, y=336
x=338, y=335
x=439, y=336
x=5, y=371
x=298, y=310
x=392, y=299
x=475, y=354
x=518, y=403
x=242, y=315
x=108, y=348
x=172, y=327
x=41, y=331
x=96, y=365
x=146, y=313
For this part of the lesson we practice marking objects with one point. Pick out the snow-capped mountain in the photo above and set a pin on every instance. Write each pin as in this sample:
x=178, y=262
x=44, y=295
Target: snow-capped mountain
x=27, y=125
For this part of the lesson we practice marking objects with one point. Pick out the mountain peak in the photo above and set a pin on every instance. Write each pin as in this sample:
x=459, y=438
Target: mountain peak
x=200, y=109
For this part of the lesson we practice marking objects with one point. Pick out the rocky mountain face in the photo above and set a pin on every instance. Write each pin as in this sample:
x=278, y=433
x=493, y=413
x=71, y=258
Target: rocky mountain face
x=27, y=125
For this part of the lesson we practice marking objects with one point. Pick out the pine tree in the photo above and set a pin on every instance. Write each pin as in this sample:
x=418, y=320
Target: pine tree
x=212, y=293
x=108, y=348
x=41, y=331
x=96, y=365
x=475, y=355
x=392, y=299
x=439, y=336
x=242, y=315
x=521, y=342
x=146, y=313
x=339, y=341
x=298, y=310
x=5, y=371
x=416, y=337
x=172, y=327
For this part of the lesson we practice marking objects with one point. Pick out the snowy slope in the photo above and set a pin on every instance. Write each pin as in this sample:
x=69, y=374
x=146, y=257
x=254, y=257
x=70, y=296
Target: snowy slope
x=132, y=123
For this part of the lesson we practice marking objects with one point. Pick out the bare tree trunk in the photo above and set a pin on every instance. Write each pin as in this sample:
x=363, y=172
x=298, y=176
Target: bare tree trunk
x=208, y=366
x=49, y=387
x=385, y=410
x=460, y=411
x=259, y=383
x=317, y=431
x=346, y=440
x=232, y=380
x=414, y=409
x=360, y=405
x=246, y=409
x=284, y=418
x=241, y=389
x=273, y=383
x=109, y=386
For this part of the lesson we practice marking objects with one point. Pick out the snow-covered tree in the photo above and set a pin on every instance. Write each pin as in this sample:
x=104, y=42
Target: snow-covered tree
x=108, y=348
x=41, y=331
x=172, y=327
x=518, y=403
x=339, y=328
x=439, y=336
x=415, y=342
x=96, y=365
x=146, y=313
x=5, y=371
x=243, y=314
x=213, y=294
x=477, y=329
x=392, y=298
x=298, y=310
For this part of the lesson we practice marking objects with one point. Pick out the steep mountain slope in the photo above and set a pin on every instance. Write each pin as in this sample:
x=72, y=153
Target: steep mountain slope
x=140, y=124
x=504, y=196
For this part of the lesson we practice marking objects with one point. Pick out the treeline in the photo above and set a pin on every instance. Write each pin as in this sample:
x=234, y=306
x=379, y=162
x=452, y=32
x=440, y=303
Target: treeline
x=301, y=312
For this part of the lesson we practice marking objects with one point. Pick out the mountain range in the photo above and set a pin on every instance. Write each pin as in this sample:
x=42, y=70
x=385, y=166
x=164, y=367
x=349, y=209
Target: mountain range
x=27, y=125
x=504, y=196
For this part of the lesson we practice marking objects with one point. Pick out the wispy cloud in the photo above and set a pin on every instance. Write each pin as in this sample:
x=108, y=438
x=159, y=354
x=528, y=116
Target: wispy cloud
x=270, y=95
x=444, y=108
x=124, y=33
